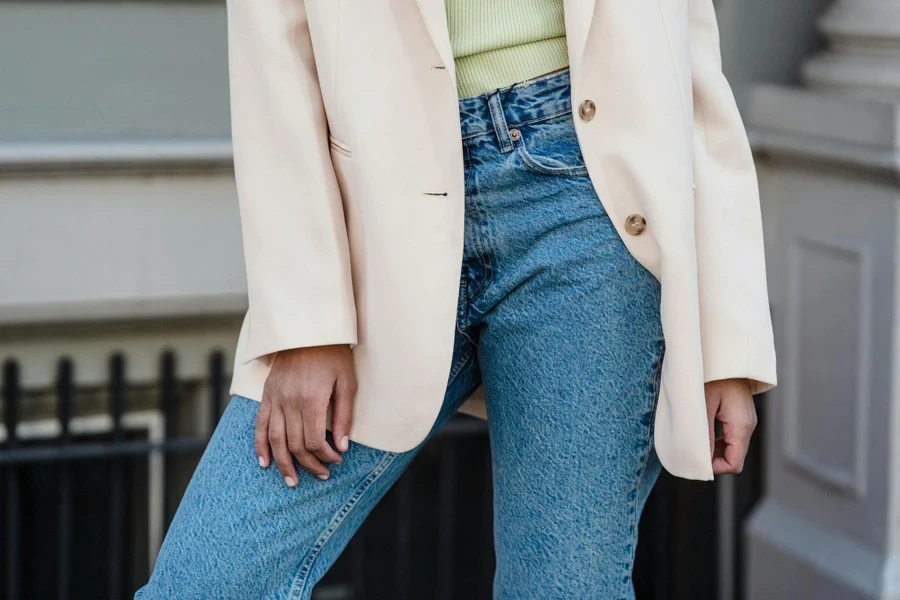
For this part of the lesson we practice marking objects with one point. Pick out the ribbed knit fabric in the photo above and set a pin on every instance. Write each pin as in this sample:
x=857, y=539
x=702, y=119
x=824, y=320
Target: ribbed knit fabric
x=501, y=42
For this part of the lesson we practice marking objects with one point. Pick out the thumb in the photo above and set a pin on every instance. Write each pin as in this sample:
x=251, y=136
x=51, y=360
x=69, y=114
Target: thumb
x=712, y=408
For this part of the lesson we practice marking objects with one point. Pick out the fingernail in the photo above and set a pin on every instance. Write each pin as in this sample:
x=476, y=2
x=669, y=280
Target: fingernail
x=323, y=477
x=262, y=462
x=345, y=443
x=290, y=481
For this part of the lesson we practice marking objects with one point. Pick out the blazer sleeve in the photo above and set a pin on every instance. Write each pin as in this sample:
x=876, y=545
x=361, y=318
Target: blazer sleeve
x=294, y=235
x=736, y=325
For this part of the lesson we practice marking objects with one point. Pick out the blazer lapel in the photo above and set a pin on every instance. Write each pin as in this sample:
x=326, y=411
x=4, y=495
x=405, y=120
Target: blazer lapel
x=578, y=14
x=434, y=14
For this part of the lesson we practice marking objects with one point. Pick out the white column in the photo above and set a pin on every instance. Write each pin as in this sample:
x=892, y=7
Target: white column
x=864, y=50
x=829, y=166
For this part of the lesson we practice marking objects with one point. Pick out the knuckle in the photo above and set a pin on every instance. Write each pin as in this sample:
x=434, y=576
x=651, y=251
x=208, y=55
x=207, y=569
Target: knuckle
x=315, y=391
x=276, y=438
x=310, y=463
x=314, y=445
x=270, y=392
x=295, y=447
x=314, y=469
x=311, y=398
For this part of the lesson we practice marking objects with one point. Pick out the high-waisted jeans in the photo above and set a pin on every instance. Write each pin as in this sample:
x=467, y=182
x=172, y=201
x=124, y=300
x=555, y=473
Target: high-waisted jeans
x=562, y=326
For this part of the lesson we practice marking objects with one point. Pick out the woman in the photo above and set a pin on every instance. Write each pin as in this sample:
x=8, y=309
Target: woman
x=545, y=209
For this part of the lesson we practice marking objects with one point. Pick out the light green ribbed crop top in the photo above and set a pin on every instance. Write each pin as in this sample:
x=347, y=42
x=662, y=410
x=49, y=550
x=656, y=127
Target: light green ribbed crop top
x=500, y=42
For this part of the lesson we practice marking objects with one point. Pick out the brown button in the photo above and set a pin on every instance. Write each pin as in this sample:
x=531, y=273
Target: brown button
x=635, y=224
x=587, y=110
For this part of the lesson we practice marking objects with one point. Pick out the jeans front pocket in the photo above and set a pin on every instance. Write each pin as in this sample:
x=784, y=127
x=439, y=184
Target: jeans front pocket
x=550, y=147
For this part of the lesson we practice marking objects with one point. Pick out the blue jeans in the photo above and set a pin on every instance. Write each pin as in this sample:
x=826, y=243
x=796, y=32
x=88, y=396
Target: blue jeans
x=559, y=322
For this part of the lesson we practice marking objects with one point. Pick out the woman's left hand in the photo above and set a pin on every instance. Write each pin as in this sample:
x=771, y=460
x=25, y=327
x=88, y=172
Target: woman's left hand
x=730, y=402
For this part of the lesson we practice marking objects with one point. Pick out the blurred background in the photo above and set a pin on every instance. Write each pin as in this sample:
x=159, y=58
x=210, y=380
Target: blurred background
x=122, y=289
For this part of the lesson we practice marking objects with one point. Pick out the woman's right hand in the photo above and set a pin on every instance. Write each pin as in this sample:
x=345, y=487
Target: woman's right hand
x=292, y=414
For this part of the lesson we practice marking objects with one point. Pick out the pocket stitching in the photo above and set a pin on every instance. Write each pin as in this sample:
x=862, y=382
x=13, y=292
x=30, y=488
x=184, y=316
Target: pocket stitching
x=533, y=165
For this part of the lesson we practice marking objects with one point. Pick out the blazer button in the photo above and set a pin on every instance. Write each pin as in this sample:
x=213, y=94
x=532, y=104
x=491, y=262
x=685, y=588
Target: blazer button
x=587, y=110
x=635, y=224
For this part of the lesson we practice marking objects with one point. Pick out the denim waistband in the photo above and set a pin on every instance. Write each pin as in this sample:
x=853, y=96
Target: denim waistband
x=531, y=100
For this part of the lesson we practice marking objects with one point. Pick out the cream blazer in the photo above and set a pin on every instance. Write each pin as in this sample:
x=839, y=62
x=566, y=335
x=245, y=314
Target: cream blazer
x=349, y=168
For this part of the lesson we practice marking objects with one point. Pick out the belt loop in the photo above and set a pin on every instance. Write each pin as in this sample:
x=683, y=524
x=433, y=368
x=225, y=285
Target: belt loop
x=501, y=128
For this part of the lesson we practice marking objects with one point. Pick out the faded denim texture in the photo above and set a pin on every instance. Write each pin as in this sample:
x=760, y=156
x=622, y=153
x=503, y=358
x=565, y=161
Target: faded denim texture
x=562, y=326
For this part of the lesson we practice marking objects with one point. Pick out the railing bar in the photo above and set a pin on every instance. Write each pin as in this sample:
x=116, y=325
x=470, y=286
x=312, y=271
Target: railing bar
x=12, y=396
x=14, y=540
x=487, y=516
x=216, y=387
x=446, y=516
x=403, y=536
x=117, y=392
x=117, y=400
x=100, y=450
x=168, y=390
x=78, y=451
x=461, y=426
x=665, y=499
x=65, y=400
x=358, y=566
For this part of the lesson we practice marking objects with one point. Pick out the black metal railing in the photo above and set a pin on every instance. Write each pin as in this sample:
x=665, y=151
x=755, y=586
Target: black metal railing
x=115, y=450
x=73, y=506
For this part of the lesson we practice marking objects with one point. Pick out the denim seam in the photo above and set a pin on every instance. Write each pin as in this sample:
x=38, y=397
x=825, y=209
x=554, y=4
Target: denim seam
x=488, y=267
x=302, y=577
x=472, y=296
x=463, y=360
x=463, y=277
x=656, y=375
x=520, y=124
x=501, y=126
x=470, y=204
x=461, y=305
x=480, y=246
x=467, y=165
x=465, y=334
